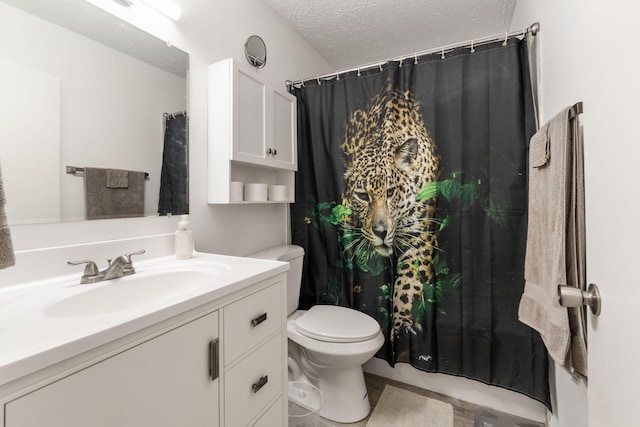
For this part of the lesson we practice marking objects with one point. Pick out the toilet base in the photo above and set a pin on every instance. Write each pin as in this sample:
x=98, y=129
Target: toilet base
x=345, y=395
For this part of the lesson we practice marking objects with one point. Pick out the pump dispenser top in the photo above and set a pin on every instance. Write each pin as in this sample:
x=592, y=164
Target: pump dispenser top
x=184, y=238
x=184, y=223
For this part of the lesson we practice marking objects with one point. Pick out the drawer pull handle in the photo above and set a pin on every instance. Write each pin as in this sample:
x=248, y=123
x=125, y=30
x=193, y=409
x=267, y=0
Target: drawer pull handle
x=255, y=322
x=214, y=354
x=261, y=382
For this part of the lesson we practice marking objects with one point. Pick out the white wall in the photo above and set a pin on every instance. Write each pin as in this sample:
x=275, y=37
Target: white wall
x=209, y=31
x=109, y=114
x=233, y=229
x=30, y=96
x=587, y=54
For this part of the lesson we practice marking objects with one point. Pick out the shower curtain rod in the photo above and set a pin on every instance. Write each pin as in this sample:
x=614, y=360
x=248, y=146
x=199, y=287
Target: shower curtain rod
x=532, y=29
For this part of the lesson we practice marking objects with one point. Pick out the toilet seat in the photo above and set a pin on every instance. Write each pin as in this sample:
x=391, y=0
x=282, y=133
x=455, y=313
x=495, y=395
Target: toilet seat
x=336, y=324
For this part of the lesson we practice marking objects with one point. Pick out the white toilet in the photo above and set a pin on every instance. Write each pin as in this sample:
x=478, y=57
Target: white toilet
x=327, y=345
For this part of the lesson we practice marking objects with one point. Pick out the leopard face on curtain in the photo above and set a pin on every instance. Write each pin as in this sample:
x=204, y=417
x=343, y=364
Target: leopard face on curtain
x=411, y=204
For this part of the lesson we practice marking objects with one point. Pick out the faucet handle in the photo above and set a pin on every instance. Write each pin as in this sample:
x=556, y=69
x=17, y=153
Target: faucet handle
x=129, y=255
x=124, y=261
x=91, y=269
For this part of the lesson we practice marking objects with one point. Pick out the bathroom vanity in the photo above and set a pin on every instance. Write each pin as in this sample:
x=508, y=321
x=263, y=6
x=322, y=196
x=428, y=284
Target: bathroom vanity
x=184, y=343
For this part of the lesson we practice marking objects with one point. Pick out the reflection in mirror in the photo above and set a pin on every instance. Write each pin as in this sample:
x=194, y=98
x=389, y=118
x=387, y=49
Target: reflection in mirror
x=255, y=51
x=68, y=100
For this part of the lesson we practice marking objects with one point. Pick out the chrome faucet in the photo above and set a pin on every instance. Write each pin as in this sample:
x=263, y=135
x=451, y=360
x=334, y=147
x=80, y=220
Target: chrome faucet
x=118, y=267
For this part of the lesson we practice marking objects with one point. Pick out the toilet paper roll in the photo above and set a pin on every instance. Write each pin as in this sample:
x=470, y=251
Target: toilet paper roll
x=255, y=192
x=235, y=195
x=278, y=193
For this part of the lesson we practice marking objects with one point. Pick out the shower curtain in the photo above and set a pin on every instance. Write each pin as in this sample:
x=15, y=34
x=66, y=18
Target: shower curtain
x=174, y=178
x=411, y=205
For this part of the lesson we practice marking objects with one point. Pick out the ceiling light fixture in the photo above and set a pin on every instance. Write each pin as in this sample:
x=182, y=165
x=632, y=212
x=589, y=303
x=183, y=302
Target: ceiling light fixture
x=163, y=6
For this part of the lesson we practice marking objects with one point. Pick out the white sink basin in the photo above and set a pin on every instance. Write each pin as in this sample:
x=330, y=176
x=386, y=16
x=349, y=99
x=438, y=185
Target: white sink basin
x=50, y=320
x=144, y=288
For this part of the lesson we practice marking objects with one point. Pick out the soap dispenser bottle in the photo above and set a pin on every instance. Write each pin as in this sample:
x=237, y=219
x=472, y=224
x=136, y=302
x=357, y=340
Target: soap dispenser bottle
x=184, y=239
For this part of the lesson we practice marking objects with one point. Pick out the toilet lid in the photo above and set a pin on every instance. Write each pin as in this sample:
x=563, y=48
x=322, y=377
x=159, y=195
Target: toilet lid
x=337, y=324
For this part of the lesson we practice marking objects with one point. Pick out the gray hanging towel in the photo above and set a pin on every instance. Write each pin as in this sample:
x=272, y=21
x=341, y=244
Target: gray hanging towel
x=7, y=256
x=555, y=251
x=108, y=199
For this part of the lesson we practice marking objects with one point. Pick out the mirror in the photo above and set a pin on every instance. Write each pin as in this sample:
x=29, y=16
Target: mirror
x=255, y=51
x=81, y=88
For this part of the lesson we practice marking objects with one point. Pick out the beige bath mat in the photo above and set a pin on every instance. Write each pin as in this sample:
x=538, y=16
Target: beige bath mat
x=398, y=407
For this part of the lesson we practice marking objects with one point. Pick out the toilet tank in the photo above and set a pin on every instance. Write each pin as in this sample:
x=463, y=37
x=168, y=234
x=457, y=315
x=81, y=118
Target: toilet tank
x=294, y=255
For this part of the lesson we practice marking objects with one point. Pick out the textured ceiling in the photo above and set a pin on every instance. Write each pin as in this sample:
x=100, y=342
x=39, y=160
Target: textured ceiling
x=90, y=21
x=349, y=33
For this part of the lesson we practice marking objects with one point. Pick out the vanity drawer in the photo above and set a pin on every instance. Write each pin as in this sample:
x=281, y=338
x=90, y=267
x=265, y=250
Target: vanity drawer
x=251, y=320
x=253, y=383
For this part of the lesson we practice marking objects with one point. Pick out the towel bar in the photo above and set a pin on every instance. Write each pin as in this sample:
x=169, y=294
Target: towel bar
x=576, y=110
x=74, y=169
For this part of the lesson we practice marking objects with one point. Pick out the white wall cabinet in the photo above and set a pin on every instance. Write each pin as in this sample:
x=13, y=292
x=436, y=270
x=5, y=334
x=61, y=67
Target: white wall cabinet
x=174, y=377
x=252, y=131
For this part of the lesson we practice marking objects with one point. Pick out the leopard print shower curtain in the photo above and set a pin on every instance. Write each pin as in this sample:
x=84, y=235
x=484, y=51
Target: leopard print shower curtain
x=411, y=204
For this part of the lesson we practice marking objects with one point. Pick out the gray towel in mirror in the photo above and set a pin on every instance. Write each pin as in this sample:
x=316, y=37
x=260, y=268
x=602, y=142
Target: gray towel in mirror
x=117, y=178
x=104, y=202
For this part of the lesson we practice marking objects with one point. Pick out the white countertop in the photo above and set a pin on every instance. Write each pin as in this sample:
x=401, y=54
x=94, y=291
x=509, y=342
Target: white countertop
x=31, y=338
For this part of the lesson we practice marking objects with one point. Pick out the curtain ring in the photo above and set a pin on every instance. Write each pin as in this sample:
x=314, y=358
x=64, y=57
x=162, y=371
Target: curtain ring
x=442, y=53
x=506, y=35
x=400, y=63
x=472, y=49
x=318, y=79
x=380, y=65
x=337, y=75
x=359, y=72
x=415, y=59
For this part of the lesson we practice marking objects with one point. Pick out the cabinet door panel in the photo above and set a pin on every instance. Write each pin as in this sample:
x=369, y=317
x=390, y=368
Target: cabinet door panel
x=284, y=130
x=250, y=118
x=162, y=382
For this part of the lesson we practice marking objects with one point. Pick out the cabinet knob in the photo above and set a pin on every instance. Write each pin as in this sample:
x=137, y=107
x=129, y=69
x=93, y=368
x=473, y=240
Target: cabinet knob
x=269, y=151
x=275, y=151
